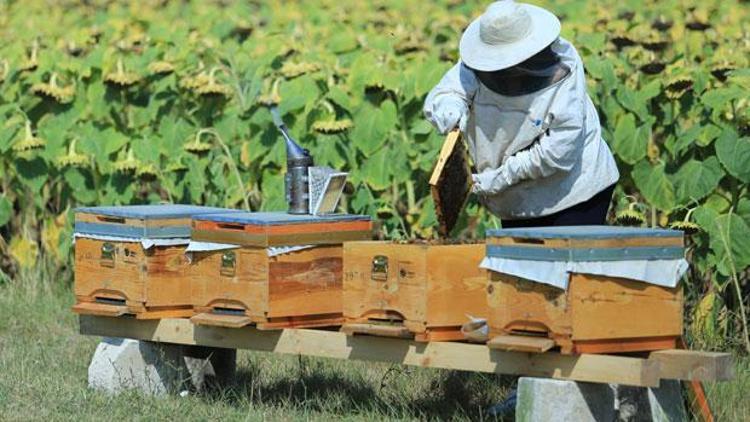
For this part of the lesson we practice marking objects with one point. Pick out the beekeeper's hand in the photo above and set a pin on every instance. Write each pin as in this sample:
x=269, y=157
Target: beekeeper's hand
x=447, y=113
x=489, y=182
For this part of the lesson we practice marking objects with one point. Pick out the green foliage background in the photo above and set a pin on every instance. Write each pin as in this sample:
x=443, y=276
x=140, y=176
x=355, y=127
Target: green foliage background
x=117, y=102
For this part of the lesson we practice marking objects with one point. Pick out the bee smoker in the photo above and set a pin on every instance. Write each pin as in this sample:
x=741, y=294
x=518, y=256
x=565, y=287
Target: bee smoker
x=298, y=159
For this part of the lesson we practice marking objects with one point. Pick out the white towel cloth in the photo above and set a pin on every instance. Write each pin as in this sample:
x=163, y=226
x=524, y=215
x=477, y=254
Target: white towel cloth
x=661, y=272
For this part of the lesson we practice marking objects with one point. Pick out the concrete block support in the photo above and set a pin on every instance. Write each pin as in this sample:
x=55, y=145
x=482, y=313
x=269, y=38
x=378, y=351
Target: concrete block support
x=540, y=399
x=158, y=368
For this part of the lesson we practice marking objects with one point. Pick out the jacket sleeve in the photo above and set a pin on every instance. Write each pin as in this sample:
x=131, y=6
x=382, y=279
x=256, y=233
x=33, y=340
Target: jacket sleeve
x=457, y=85
x=557, y=150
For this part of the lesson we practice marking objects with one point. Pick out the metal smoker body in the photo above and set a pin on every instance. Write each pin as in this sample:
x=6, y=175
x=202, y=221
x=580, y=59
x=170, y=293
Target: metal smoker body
x=298, y=159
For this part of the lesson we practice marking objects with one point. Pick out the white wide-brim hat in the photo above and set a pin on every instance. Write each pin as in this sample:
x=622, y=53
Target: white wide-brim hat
x=507, y=34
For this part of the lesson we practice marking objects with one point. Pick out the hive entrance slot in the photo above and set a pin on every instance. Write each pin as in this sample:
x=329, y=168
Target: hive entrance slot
x=228, y=311
x=528, y=241
x=228, y=226
x=110, y=301
x=113, y=220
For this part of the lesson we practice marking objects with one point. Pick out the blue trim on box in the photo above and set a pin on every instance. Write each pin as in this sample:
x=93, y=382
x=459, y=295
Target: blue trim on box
x=585, y=254
x=278, y=218
x=153, y=212
x=583, y=232
x=121, y=230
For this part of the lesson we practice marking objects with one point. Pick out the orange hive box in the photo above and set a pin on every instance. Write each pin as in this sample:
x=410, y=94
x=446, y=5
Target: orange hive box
x=130, y=260
x=572, y=302
x=421, y=290
x=279, y=270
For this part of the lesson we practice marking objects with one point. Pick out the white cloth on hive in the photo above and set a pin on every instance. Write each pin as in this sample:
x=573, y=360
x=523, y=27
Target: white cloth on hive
x=281, y=250
x=145, y=242
x=195, y=246
x=272, y=251
x=661, y=272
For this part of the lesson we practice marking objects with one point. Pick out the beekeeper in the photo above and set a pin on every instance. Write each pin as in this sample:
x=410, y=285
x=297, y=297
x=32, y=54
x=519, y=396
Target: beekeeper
x=518, y=93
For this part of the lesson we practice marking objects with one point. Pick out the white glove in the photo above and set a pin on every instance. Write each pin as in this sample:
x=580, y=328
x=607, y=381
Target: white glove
x=489, y=182
x=448, y=113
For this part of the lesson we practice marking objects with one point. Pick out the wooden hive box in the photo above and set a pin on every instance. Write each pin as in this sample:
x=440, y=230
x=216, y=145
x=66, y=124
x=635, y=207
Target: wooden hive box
x=260, y=281
x=419, y=290
x=596, y=313
x=130, y=260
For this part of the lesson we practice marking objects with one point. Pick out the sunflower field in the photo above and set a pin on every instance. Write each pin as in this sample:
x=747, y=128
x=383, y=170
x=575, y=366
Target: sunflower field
x=128, y=102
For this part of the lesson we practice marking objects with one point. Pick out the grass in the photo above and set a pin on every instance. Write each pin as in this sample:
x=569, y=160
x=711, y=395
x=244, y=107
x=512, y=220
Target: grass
x=43, y=370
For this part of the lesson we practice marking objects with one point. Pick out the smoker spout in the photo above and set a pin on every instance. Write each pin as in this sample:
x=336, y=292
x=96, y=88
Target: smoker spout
x=294, y=152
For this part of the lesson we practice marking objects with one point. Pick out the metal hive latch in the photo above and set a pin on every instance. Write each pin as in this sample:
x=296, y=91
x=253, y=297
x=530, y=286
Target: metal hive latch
x=107, y=258
x=379, y=268
x=228, y=264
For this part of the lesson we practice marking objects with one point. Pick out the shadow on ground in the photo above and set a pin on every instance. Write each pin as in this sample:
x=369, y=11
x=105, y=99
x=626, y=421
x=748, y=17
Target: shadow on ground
x=398, y=392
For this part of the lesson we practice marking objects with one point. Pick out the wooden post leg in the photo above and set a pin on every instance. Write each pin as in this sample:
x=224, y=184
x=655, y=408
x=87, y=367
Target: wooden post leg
x=698, y=401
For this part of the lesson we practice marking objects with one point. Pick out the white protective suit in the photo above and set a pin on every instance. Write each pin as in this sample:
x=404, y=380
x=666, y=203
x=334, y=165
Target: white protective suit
x=536, y=154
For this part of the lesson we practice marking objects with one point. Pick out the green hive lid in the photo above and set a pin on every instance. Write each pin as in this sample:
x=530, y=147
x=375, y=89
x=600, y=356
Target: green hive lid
x=141, y=221
x=583, y=232
x=534, y=251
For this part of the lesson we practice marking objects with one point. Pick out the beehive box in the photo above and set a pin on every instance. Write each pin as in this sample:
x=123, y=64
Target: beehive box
x=130, y=260
x=596, y=313
x=421, y=290
x=260, y=281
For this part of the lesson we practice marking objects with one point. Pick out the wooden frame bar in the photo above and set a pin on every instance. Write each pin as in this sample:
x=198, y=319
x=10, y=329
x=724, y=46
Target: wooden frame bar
x=333, y=344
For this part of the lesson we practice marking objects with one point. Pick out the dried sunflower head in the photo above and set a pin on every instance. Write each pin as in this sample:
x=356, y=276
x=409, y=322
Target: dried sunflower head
x=74, y=49
x=210, y=87
x=678, y=82
x=410, y=45
x=242, y=29
x=292, y=70
x=52, y=91
x=198, y=78
x=197, y=146
x=272, y=98
x=720, y=70
x=698, y=20
x=374, y=87
x=31, y=62
x=650, y=39
x=678, y=85
x=160, y=67
x=630, y=217
x=688, y=227
x=214, y=89
x=176, y=166
x=29, y=142
x=146, y=171
x=120, y=78
x=646, y=61
x=622, y=40
x=127, y=165
x=332, y=126
x=194, y=82
x=72, y=159
x=661, y=23
x=269, y=100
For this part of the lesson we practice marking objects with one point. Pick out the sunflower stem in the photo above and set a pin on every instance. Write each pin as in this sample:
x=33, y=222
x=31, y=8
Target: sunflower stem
x=231, y=162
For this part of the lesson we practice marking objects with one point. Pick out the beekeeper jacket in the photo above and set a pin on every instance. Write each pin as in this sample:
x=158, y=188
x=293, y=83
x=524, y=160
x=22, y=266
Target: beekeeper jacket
x=543, y=151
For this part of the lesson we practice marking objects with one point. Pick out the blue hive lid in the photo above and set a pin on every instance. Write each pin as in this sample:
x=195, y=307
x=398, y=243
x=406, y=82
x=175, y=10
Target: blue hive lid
x=153, y=212
x=583, y=232
x=275, y=218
